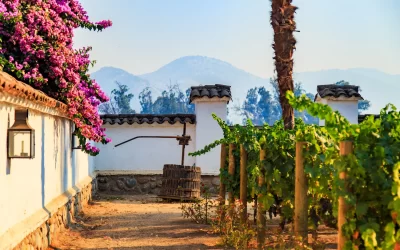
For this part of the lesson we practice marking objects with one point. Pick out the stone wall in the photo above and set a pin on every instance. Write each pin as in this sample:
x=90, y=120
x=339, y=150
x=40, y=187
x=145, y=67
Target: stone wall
x=41, y=238
x=133, y=184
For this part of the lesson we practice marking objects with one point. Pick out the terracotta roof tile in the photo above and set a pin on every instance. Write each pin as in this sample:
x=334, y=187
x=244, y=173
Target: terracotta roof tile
x=148, y=118
x=12, y=86
x=336, y=91
x=210, y=91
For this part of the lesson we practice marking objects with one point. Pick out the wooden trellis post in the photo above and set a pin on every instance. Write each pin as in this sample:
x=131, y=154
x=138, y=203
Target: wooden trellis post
x=231, y=171
x=346, y=148
x=261, y=220
x=300, y=198
x=243, y=182
x=222, y=189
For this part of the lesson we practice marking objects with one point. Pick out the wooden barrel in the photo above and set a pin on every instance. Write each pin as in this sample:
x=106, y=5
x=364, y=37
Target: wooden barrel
x=180, y=182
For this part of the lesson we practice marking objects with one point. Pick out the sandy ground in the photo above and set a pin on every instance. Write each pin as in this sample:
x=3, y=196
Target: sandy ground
x=145, y=222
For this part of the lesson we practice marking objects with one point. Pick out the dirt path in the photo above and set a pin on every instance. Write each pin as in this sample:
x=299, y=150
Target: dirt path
x=135, y=222
x=144, y=222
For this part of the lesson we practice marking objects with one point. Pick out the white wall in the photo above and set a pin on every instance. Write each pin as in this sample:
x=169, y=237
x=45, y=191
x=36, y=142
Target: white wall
x=28, y=185
x=207, y=131
x=143, y=154
x=347, y=108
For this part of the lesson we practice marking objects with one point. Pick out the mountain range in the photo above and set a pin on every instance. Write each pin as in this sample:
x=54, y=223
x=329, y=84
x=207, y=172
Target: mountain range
x=378, y=87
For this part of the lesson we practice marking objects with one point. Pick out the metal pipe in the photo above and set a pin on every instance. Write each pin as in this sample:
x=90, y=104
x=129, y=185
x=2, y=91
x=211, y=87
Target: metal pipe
x=148, y=136
x=183, y=140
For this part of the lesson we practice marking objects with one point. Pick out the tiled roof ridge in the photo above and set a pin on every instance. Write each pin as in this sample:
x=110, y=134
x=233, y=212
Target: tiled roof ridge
x=12, y=86
x=148, y=118
x=336, y=91
x=210, y=91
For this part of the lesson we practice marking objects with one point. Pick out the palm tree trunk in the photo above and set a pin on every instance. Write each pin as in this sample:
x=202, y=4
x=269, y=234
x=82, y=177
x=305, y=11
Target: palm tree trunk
x=282, y=21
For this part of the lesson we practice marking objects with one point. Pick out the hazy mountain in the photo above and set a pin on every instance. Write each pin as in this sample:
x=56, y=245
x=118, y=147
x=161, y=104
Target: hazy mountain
x=378, y=87
x=200, y=70
x=107, y=76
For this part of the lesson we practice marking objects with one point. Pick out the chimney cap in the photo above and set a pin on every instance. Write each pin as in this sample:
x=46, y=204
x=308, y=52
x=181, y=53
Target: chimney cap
x=210, y=91
x=334, y=91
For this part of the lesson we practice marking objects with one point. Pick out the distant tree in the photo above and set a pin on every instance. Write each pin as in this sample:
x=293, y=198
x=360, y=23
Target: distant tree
x=306, y=117
x=229, y=122
x=259, y=107
x=250, y=109
x=146, y=102
x=109, y=107
x=363, y=105
x=190, y=107
x=269, y=110
x=172, y=101
x=119, y=101
x=123, y=99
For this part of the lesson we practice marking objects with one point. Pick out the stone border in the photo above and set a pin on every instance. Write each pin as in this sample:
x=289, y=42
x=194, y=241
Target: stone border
x=36, y=231
x=130, y=183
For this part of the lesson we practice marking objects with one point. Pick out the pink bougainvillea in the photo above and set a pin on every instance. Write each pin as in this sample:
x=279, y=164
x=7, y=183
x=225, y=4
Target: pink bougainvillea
x=36, y=47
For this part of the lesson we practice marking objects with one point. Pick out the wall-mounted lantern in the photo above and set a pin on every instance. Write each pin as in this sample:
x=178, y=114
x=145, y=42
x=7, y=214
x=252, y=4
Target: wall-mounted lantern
x=21, y=137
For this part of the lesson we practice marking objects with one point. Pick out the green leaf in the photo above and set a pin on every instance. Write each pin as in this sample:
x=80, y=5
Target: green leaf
x=369, y=237
x=361, y=209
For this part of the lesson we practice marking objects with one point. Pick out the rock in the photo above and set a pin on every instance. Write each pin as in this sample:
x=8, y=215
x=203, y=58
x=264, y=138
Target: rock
x=115, y=189
x=153, y=179
x=146, y=188
x=156, y=191
x=216, y=181
x=104, y=186
x=136, y=190
x=121, y=184
x=153, y=185
x=102, y=180
x=212, y=190
x=131, y=182
x=142, y=179
x=159, y=183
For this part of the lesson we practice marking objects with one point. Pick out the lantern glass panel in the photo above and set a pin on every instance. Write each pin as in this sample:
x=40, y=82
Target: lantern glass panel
x=20, y=144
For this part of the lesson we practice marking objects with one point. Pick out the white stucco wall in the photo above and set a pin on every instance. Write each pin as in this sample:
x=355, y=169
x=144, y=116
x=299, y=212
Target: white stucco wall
x=347, y=108
x=208, y=130
x=28, y=185
x=143, y=154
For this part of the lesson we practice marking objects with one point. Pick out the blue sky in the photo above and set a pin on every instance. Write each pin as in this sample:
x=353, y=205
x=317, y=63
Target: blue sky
x=148, y=34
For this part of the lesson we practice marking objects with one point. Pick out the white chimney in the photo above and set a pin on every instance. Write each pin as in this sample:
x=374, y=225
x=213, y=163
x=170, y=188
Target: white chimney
x=342, y=98
x=209, y=99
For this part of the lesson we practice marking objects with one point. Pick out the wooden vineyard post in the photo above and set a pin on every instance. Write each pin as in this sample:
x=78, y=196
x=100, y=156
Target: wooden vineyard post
x=346, y=148
x=261, y=220
x=243, y=182
x=231, y=171
x=300, y=198
x=222, y=189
